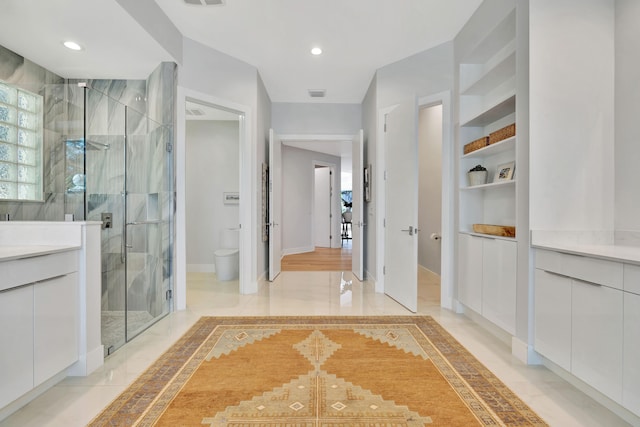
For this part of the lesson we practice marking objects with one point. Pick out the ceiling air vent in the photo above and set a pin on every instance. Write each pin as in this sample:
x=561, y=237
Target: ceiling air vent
x=317, y=93
x=194, y=112
x=205, y=2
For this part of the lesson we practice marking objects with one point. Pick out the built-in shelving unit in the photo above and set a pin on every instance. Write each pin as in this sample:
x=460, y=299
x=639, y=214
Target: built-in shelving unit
x=487, y=265
x=487, y=96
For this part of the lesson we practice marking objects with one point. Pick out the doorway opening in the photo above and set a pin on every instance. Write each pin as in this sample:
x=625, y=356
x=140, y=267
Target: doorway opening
x=317, y=169
x=212, y=192
x=430, y=127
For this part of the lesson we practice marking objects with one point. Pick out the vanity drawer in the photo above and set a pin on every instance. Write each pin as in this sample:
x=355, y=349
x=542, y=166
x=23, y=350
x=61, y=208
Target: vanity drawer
x=33, y=269
x=594, y=270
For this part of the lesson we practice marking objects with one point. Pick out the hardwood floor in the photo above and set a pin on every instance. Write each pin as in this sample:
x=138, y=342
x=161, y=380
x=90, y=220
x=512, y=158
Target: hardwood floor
x=321, y=259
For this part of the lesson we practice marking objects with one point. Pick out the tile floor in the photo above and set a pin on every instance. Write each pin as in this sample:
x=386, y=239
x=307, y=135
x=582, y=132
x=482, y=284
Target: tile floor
x=75, y=401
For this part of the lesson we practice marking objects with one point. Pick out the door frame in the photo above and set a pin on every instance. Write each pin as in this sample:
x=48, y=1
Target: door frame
x=449, y=183
x=248, y=237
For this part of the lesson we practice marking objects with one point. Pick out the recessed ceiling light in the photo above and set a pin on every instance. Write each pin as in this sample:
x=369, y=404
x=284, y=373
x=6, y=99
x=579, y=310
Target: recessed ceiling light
x=72, y=45
x=316, y=51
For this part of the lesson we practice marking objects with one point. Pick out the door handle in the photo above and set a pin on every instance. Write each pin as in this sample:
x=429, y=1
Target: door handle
x=410, y=230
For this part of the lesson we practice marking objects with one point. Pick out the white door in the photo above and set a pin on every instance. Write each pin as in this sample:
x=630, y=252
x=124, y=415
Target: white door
x=401, y=204
x=357, y=208
x=275, y=205
x=322, y=208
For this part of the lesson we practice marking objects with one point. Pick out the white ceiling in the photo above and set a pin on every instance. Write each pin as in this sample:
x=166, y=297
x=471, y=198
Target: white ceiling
x=275, y=36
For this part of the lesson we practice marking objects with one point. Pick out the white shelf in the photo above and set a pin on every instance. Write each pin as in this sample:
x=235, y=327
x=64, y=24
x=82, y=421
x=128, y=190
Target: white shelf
x=489, y=186
x=508, y=144
x=488, y=76
x=499, y=109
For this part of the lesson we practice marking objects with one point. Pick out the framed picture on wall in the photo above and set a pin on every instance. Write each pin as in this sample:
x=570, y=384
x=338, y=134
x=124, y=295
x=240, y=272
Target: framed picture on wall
x=231, y=198
x=504, y=172
x=367, y=184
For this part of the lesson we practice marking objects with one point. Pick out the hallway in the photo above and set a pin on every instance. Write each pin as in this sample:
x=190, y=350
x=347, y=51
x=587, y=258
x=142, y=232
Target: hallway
x=75, y=401
x=321, y=259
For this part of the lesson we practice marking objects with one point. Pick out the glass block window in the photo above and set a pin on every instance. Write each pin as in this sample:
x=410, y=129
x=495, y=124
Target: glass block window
x=20, y=144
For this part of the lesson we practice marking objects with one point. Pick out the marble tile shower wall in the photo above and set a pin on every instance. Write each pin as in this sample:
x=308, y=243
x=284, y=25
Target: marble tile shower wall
x=30, y=76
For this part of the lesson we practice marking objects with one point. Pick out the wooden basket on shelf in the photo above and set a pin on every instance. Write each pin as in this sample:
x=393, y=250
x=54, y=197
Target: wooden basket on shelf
x=501, y=134
x=495, y=230
x=476, y=145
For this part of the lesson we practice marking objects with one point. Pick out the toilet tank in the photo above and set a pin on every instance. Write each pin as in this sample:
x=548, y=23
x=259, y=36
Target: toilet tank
x=230, y=238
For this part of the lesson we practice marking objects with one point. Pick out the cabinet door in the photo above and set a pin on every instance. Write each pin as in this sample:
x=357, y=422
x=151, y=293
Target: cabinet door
x=499, y=262
x=55, y=305
x=552, y=317
x=596, y=342
x=631, y=355
x=470, y=271
x=16, y=336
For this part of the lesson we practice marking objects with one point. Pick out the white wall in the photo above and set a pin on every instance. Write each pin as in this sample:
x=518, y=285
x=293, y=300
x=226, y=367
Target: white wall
x=316, y=119
x=571, y=114
x=220, y=79
x=430, y=187
x=627, y=112
x=297, y=198
x=212, y=167
x=424, y=74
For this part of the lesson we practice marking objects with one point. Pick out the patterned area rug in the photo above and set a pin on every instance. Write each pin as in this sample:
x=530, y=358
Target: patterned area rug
x=317, y=371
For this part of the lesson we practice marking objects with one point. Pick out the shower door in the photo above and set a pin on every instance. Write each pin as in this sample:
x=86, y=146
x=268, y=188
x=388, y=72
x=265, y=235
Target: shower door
x=128, y=187
x=146, y=225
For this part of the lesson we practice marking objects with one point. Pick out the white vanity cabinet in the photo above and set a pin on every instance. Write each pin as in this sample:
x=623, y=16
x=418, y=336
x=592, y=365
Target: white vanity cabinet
x=631, y=353
x=487, y=278
x=552, y=317
x=631, y=349
x=50, y=297
x=16, y=336
x=596, y=336
x=40, y=320
x=588, y=324
x=55, y=329
x=499, y=260
x=470, y=271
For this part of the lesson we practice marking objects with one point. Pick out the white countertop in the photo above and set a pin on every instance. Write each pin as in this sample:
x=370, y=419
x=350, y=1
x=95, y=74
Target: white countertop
x=8, y=253
x=629, y=254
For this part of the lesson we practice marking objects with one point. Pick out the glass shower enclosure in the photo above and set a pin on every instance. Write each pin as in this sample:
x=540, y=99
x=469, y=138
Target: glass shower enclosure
x=118, y=169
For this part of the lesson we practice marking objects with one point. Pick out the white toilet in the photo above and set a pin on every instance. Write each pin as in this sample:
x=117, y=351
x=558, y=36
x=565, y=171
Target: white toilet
x=227, y=258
